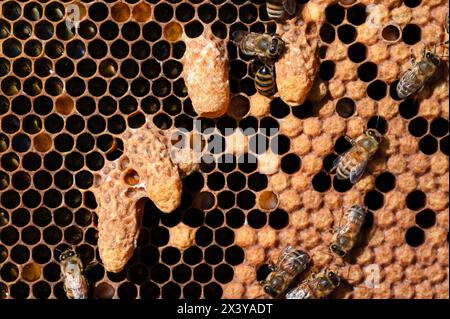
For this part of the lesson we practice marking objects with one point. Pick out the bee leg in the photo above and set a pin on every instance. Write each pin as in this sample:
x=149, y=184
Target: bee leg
x=349, y=139
x=271, y=267
x=412, y=59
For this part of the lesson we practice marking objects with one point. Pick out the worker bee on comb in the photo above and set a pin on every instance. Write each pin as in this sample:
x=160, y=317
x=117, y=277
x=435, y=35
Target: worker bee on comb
x=347, y=233
x=291, y=263
x=75, y=284
x=352, y=164
x=268, y=47
x=316, y=287
x=265, y=79
x=414, y=79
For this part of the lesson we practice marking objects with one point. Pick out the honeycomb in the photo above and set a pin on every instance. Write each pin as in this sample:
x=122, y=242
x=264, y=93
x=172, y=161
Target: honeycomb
x=67, y=94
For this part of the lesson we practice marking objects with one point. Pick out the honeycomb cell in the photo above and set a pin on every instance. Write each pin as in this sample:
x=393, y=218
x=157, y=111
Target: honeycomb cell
x=416, y=200
x=412, y=34
x=439, y=127
x=428, y=145
x=414, y=236
x=426, y=218
x=327, y=33
x=192, y=290
x=41, y=290
x=335, y=14
x=347, y=33
x=390, y=33
x=20, y=254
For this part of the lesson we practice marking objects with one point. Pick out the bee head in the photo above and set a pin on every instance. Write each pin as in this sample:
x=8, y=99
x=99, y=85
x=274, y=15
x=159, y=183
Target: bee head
x=333, y=278
x=66, y=254
x=374, y=134
x=276, y=46
x=335, y=249
x=268, y=290
x=433, y=58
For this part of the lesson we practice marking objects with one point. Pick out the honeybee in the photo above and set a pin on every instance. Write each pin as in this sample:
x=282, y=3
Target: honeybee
x=291, y=263
x=266, y=46
x=265, y=81
x=352, y=164
x=318, y=286
x=75, y=284
x=413, y=80
x=276, y=9
x=346, y=235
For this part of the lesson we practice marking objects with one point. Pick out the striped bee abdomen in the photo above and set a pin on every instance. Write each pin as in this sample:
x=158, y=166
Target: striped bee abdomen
x=408, y=84
x=265, y=81
x=275, y=10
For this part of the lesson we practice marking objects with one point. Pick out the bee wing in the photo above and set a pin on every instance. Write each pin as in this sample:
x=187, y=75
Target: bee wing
x=357, y=171
x=237, y=36
x=290, y=6
x=336, y=161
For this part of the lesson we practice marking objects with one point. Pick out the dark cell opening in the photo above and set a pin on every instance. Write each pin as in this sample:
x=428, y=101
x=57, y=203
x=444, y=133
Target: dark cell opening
x=212, y=291
x=191, y=291
x=377, y=90
x=341, y=185
x=234, y=255
x=214, y=218
x=416, y=200
x=290, y=163
x=439, y=127
x=245, y=199
x=160, y=273
x=193, y=255
x=257, y=181
x=327, y=33
x=213, y=255
x=203, y=236
x=181, y=273
x=426, y=218
x=235, y=218
x=256, y=219
x=202, y=273
x=378, y=123
x=335, y=14
x=216, y=181
x=390, y=33
x=279, y=109
x=367, y=71
x=278, y=219
x=415, y=236
x=418, y=127
x=342, y=145
x=412, y=34
x=207, y=12
x=412, y=3
x=321, y=182
x=345, y=107
x=327, y=70
x=347, y=33
x=262, y=272
x=193, y=217
x=385, y=182
x=224, y=236
x=223, y=273
x=357, y=14
x=236, y=181
x=159, y=236
x=428, y=145
x=357, y=52
x=374, y=200
x=170, y=255
x=408, y=108
x=193, y=29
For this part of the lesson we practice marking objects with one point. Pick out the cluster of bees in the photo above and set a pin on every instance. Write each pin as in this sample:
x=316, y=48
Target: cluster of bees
x=351, y=165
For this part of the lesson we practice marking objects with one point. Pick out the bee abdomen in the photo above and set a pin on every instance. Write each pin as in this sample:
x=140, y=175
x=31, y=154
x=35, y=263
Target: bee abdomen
x=275, y=10
x=265, y=81
x=407, y=86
